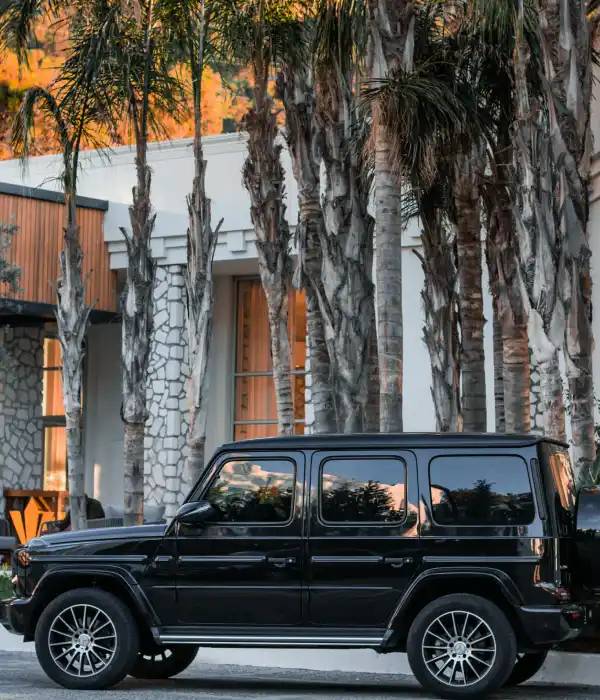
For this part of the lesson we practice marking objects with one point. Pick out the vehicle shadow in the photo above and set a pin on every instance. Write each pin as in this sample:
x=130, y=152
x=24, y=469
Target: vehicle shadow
x=280, y=686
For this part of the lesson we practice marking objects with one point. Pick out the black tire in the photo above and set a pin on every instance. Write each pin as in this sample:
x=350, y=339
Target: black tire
x=165, y=662
x=475, y=644
x=526, y=666
x=90, y=629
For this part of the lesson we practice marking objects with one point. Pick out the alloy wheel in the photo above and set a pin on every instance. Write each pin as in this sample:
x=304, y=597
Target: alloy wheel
x=82, y=640
x=459, y=648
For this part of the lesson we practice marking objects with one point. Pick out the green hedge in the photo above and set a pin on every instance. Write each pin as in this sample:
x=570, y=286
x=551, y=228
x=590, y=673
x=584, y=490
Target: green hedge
x=6, y=589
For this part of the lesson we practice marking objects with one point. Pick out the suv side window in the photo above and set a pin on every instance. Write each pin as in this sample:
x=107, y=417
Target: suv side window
x=363, y=490
x=481, y=490
x=253, y=491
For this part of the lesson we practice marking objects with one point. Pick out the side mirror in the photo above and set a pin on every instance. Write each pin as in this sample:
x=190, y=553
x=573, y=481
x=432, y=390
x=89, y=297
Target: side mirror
x=195, y=513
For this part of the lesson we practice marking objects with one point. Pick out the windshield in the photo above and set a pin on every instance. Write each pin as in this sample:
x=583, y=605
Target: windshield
x=557, y=465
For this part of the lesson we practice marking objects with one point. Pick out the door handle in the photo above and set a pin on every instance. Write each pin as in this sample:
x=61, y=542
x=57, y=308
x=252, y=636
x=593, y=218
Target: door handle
x=281, y=562
x=398, y=562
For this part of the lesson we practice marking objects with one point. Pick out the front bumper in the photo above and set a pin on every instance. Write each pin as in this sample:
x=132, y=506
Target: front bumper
x=14, y=614
x=549, y=625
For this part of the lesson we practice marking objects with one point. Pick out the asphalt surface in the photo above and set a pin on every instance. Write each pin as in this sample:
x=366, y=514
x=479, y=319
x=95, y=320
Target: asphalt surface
x=21, y=677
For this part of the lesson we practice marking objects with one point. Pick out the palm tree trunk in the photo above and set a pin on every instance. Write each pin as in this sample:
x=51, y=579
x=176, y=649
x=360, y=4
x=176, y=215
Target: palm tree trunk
x=388, y=284
x=468, y=240
x=551, y=394
x=391, y=39
x=72, y=316
x=565, y=39
x=500, y=423
x=263, y=178
x=136, y=311
x=507, y=291
x=295, y=90
x=346, y=244
x=440, y=305
x=201, y=244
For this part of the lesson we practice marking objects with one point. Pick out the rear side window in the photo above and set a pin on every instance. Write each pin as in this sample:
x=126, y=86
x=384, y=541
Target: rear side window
x=363, y=490
x=480, y=490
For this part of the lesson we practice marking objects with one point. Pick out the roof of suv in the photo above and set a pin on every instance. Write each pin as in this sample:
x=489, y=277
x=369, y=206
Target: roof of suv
x=400, y=439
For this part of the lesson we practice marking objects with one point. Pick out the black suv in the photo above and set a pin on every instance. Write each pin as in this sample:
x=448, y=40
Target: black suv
x=462, y=550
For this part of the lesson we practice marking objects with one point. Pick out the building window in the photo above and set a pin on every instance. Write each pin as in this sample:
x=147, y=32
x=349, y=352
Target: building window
x=53, y=412
x=255, y=413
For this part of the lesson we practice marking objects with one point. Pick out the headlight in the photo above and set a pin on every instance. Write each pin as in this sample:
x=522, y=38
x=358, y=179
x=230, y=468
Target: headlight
x=24, y=558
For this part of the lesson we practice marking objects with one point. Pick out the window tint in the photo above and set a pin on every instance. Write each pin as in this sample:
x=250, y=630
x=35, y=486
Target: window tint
x=253, y=491
x=367, y=490
x=482, y=490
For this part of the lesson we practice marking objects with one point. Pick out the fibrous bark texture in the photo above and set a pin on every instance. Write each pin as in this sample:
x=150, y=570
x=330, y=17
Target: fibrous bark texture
x=263, y=178
x=201, y=244
x=440, y=305
x=469, y=253
x=295, y=89
x=390, y=49
x=347, y=248
x=510, y=303
x=565, y=40
x=136, y=310
x=72, y=316
x=202, y=241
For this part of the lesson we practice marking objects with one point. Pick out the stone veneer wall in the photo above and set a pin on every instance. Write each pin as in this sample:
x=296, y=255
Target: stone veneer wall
x=21, y=431
x=168, y=373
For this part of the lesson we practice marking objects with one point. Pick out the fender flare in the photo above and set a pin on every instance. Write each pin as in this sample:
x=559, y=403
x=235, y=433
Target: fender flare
x=122, y=577
x=506, y=587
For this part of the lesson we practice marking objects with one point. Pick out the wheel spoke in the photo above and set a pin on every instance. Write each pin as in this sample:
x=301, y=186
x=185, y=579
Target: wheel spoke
x=463, y=652
x=79, y=654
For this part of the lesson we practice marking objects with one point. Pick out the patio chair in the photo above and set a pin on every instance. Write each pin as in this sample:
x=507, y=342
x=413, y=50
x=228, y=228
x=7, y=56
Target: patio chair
x=8, y=543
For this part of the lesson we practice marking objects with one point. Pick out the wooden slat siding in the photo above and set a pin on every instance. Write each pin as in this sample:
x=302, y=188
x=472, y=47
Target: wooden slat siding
x=36, y=247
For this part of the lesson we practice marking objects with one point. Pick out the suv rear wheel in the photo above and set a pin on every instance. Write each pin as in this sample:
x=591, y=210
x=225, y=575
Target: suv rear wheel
x=461, y=646
x=86, y=639
x=163, y=662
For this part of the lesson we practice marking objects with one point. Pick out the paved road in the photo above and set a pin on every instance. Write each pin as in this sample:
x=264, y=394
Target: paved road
x=21, y=678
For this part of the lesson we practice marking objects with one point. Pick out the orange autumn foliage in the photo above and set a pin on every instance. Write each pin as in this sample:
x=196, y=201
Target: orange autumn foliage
x=223, y=104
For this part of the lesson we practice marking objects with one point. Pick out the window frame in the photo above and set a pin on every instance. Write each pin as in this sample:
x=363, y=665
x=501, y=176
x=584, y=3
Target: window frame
x=360, y=523
x=487, y=526
x=235, y=374
x=52, y=421
x=205, y=487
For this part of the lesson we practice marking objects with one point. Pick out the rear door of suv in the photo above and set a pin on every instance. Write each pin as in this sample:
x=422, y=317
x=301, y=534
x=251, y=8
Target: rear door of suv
x=363, y=535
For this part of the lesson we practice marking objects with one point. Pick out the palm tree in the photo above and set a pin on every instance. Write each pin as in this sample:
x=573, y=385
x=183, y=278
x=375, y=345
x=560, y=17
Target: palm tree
x=440, y=306
x=261, y=33
x=296, y=91
x=75, y=115
x=189, y=23
x=72, y=313
x=347, y=305
x=487, y=43
x=423, y=114
x=539, y=244
x=133, y=76
x=566, y=52
x=390, y=49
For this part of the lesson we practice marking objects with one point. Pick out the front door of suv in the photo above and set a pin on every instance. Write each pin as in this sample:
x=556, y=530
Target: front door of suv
x=245, y=567
x=363, y=538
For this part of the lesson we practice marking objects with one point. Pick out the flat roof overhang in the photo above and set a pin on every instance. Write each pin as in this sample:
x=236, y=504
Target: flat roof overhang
x=14, y=312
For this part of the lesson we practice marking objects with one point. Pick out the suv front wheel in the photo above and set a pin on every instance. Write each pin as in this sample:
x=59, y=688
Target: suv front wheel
x=461, y=646
x=86, y=639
